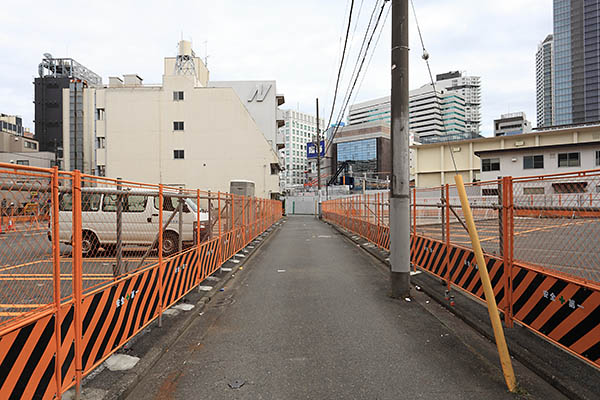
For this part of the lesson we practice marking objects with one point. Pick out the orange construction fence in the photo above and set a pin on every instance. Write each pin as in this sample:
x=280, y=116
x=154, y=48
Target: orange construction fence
x=101, y=260
x=540, y=236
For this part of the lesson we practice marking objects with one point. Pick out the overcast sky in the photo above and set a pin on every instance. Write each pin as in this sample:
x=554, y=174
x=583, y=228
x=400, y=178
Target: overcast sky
x=297, y=43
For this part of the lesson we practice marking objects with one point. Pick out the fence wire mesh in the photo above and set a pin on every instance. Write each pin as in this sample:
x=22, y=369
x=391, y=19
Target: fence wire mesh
x=26, y=258
x=557, y=223
x=550, y=221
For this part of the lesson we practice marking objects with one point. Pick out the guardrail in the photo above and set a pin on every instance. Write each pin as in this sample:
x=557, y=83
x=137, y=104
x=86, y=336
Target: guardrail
x=98, y=259
x=541, y=238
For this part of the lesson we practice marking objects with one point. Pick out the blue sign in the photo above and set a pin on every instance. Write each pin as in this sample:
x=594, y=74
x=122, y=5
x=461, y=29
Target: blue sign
x=311, y=149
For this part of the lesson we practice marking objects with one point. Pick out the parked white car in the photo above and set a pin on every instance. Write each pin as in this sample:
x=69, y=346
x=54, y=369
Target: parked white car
x=140, y=216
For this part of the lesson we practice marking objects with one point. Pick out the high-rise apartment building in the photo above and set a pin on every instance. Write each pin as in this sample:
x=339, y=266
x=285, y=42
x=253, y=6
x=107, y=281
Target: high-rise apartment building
x=451, y=112
x=298, y=129
x=576, y=61
x=437, y=115
x=543, y=82
x=371, y=111
x=469, y=88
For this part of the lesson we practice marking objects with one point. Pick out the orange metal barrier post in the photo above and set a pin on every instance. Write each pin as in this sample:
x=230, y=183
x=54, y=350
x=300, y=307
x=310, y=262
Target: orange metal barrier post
x=447, y=244
x=507, y=222
x=219, y=219
x=414, y=211
x=160, y=253
x=77, y=279
x=378, y=222
x=198, y=238
x=56, y=279
x=243, y=223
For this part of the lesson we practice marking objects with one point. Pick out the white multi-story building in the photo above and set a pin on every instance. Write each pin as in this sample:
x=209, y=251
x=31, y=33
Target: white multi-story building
x=437, y=115
x=443, y=115
x=543, y=82
x=469, y=88
x=298, y=129
x=371, y=111
x=180, y=132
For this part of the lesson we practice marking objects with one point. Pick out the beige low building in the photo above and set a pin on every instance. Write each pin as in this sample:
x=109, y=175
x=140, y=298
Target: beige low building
x=434, y=164
x=180, y=132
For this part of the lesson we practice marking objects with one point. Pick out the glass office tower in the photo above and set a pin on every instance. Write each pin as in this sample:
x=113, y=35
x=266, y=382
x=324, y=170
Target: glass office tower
x=576, y=61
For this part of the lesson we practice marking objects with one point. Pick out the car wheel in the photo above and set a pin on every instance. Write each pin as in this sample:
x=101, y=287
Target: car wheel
x=170, y=243
x=89, y=244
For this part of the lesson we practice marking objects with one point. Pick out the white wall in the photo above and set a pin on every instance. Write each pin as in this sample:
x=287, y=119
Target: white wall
x=220, y=139
x=262, y=106
x=508, y=167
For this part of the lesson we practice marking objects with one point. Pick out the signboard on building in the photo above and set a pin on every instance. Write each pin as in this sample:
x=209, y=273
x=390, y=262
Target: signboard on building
x=311, y=149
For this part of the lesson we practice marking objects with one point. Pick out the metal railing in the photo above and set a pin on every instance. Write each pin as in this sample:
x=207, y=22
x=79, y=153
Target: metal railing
x=540, y=235
x=87, y=262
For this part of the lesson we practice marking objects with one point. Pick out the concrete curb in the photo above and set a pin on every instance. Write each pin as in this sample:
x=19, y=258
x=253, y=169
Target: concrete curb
x=129, y=380
x=554, y=365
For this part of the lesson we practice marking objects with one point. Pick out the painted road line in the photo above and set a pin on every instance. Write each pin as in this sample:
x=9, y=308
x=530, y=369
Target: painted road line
x=24, y=265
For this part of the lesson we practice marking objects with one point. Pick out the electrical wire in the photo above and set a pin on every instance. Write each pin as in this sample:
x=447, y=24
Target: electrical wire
x=372, y=54
x=342, y=110
x=339, y=50
x=341, y=62
x=360, y=53
x=349, y=50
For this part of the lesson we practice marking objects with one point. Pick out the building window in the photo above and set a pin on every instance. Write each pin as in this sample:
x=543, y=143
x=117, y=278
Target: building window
x=177, y=96
x=569, y=187
x=178, y=154
x=22, y=162
x=490, y=164
x=177, y=125
x=533, y=190
x=568, y=160
x=597, y=157
x=99, y=114
x=489, y=192
x=531, y=162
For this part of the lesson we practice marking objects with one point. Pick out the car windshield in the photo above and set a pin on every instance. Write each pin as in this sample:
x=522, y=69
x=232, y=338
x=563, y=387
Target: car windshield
x=191, y=204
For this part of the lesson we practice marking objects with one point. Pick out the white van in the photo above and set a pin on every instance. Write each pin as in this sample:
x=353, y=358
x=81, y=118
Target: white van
x=139, y=220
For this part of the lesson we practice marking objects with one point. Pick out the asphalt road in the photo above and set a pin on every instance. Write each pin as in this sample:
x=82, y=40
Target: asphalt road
x=309, y=317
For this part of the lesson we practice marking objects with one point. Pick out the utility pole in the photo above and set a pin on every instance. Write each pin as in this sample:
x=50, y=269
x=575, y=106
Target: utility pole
x=400, y=189
x=318, y=147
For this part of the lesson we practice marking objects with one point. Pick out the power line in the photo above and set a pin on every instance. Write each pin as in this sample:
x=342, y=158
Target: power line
x=341, y=62
x=372, y=53
x=339, y=50
x=357, y=75
x=360, y=53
